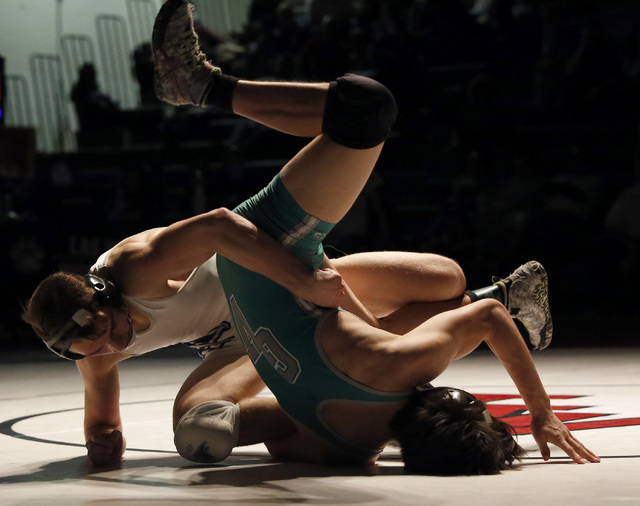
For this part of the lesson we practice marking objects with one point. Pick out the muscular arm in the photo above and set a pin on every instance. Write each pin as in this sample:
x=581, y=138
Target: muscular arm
x=102, y=422
x=427, y=351
x=545, y=425
x=145, y=264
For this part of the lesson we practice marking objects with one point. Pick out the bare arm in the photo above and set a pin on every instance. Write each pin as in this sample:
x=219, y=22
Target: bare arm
x=428, y=350
x=143, y=268
x=102, y=422
x=546, y=428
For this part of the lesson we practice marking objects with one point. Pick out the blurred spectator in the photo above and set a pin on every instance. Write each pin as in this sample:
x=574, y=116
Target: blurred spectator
x=444, y=32
x=275, y=42
x=263, y=13
x=340, y=11
x=143, y=71
x=99, y=117
x=326, y=55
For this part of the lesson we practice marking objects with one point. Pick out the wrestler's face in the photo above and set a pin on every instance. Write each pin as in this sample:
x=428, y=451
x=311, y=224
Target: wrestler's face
x=115, y=339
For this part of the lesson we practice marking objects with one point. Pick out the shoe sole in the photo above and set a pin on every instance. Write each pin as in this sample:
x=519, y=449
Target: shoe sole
x=158, y=36
x=545, y=339
x=162, y=21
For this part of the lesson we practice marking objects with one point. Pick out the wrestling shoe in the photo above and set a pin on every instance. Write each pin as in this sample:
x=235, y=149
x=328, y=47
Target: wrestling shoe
x=528, y=301
x=182, y=74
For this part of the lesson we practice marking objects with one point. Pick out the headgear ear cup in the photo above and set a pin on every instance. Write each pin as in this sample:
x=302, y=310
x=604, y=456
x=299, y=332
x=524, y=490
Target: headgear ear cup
x=106, y=292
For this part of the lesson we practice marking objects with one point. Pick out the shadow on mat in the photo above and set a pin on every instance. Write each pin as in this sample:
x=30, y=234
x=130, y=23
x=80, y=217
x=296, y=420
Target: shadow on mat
x=239, y=470
x=269, y=481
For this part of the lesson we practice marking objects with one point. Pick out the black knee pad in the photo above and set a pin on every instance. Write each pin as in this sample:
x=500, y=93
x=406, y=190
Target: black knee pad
x=359, y=113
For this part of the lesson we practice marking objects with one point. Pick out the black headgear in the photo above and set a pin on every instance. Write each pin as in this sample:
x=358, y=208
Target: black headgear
x=462, y=397
x=105, y=293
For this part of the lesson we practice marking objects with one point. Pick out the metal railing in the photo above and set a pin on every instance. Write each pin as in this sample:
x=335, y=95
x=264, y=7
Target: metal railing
x=51, y=77
x=222, y=16
x=141, y=14
x=115, y=55
x=18, y=110
x=54, y=133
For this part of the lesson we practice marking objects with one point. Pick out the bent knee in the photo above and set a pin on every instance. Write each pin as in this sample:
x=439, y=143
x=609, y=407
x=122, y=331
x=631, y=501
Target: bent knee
x=456, y=276
x=359, y=112
x=208, y=432
x=491, y=313
x=450, y=276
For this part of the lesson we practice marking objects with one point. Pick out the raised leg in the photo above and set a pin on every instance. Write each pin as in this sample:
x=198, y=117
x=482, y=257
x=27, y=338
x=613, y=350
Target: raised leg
x=350, y=118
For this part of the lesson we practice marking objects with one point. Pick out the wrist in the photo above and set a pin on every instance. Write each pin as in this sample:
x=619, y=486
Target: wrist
x=540, y=409
x=100, y=429
x=300, y=281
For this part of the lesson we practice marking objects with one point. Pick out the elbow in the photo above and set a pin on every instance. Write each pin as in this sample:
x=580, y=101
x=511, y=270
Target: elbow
x=228, y=231
x=220, y=215
x=220, y=222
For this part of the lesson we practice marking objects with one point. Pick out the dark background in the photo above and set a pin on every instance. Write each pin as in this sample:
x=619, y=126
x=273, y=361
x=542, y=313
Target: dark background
x=517, y=135
x=2, y=92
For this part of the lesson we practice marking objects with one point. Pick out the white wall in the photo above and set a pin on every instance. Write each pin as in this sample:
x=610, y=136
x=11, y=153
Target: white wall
x=28, y=27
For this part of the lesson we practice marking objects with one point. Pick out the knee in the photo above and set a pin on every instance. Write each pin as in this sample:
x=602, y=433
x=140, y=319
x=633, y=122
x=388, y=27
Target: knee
x=491, y=315
x=359, y=113
x=208, y=432
x=456, y=276
x=452, y=281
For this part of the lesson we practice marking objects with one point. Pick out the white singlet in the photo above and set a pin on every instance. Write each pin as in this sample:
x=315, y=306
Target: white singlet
x=198, y=309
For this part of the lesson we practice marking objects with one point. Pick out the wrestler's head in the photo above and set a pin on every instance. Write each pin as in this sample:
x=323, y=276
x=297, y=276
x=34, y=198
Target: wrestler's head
x=447, y=431
x=66, y=308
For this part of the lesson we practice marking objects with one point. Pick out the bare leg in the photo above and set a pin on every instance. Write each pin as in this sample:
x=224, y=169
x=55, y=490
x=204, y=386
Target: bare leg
x=262, y=419
x=324, y=178
x=234, y=379
x=224, y=378
x=385, y=281
x=327, y=176
x=293, y=108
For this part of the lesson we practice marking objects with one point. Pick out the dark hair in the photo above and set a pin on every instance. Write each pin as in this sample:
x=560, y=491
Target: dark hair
x=54, y=302
x=440, y=436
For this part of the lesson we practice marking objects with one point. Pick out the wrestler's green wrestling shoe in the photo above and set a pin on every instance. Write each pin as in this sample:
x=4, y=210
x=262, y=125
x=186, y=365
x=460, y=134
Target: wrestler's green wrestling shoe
x=182, y=74
x=528, y=301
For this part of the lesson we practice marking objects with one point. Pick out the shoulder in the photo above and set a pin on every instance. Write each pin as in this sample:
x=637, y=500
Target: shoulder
x=133, y=245
x=128, y=259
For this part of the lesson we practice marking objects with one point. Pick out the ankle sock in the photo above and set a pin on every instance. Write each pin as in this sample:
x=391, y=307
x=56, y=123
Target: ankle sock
x=219, y=94
x=498, y=291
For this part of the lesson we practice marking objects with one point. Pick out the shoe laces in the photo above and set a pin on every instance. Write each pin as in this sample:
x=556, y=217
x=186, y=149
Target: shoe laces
x=189, y=52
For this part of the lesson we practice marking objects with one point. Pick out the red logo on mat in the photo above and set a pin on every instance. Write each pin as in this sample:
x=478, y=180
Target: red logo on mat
x=517, y=415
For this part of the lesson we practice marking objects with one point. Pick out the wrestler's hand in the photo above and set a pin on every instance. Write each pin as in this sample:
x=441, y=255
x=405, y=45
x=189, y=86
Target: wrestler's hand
x=327, y=288
x=105, y=445
x=547, y=428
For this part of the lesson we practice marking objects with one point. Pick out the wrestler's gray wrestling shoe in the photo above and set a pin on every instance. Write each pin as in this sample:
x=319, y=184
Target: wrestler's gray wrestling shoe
x=182, y=74
x=528, y=301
